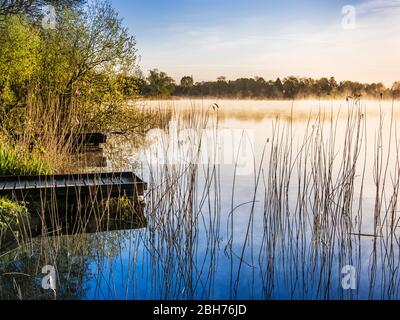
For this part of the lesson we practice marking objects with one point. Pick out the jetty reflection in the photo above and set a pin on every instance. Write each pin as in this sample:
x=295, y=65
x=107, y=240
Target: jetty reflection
x=70, y=239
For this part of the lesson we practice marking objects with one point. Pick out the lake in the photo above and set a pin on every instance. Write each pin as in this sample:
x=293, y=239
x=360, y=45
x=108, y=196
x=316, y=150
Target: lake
x=245, y=200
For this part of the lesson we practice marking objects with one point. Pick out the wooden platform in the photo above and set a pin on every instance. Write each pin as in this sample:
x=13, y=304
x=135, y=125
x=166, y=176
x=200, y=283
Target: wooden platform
x=73, y=185
x=88, y=138
x=94, y=138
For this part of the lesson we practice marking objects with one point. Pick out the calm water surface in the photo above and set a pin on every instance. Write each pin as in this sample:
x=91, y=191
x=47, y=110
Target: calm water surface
x=246, y=200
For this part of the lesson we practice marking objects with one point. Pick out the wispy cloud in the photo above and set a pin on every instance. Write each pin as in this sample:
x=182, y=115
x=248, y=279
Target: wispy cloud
x=374, y=7
x=269, y=44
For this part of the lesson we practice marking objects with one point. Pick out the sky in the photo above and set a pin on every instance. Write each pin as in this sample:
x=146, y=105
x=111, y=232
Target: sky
x=356, y=40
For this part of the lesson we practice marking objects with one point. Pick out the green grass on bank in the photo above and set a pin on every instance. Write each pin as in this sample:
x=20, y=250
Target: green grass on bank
x=15, y=161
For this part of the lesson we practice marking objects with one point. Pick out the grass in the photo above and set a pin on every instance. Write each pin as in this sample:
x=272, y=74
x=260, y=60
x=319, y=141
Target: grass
x=13, y=221
x=15, y=161
x=11, y=212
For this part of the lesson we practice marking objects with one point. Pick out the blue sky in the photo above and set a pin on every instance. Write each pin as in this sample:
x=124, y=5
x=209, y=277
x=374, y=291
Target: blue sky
x=246, y=38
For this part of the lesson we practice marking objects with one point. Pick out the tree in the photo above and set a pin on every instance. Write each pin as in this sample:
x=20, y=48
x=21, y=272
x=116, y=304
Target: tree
x=323, y=87
x=279, y=86
x=187, y=82
x=333, y=84
x=160, y=84
x=351, y=88
x=83, y=66
x=84, y=45
x=185, y=86
x=290, y=87
x=19, y=60
x=221, y=79
x=34, y=7
x=396, y=88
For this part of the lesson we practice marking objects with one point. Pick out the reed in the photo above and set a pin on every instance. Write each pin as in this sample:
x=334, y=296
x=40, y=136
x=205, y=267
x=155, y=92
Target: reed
x=306, y=215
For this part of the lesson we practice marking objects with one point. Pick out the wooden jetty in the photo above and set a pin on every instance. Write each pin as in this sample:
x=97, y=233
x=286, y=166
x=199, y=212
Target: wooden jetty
x=87, y=142
x=94, y=138
x=73, y=219
x=105, y=185
x=87, y=138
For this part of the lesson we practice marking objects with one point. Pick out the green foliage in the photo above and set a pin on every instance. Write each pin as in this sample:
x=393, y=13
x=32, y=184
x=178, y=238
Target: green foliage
x=89, y=59
x=11, y=213
x=73, y=78
x=187, y=82
x=159, y=84
x=19, y=59
x=84, y=45
x=33, y=7
x=118, y=118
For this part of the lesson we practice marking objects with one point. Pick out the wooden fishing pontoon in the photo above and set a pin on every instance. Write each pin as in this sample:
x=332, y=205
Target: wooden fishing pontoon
x=75, y=204
x=104, y=185
x=95, y=138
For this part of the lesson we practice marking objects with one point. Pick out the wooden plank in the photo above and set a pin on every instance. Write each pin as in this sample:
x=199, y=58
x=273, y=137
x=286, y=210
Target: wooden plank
x=60, y=183
x=107, y=181
x=77, y=182
x=9, y=185
x=30, y=184
x=108, y=184
x=128, y=175
x=20, y=184
x=88, y=138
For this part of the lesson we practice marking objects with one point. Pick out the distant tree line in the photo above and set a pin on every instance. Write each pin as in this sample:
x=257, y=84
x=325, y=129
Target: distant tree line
x=160, y=84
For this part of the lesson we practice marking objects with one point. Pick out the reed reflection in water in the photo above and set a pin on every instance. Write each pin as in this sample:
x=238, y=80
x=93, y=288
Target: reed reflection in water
x=321, y=194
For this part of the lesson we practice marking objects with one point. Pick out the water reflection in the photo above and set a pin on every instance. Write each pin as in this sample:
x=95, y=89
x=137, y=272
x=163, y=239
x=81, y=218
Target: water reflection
x=322, y=195
x=69, y=239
